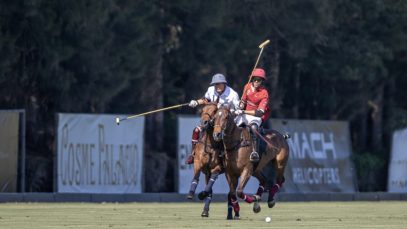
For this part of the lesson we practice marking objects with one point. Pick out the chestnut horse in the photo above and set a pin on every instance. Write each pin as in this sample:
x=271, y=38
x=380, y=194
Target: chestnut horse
x=206, y=158
x=237, y=163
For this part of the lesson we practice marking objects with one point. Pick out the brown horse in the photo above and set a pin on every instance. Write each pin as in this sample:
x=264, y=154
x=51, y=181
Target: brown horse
x=237, y=163
x=206, y=158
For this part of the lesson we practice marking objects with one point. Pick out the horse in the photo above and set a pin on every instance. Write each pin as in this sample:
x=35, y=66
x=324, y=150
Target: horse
x=206, y=158
x=237, y=163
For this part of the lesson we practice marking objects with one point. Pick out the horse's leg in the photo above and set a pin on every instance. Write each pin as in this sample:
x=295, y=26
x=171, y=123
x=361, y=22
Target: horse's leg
x=259, y=193
x=195, y=181
x=280, y=166
x=208, y=199
x=244, y=178
x=230, y=207
x=232, y=200
x=209, y=185
x=235, y=205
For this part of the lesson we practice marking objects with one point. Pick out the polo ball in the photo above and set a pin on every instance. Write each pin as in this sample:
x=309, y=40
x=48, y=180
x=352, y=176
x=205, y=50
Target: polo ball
x=268, y=219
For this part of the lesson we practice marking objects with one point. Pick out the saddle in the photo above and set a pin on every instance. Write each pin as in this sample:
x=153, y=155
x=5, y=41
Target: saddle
x=246, y=139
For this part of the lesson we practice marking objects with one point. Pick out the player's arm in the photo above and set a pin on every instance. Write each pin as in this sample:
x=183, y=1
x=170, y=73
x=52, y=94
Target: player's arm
x=257, y=113
x=242, y=104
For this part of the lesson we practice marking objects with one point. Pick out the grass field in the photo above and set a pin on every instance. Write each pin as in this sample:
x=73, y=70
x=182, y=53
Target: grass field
x=187, y=215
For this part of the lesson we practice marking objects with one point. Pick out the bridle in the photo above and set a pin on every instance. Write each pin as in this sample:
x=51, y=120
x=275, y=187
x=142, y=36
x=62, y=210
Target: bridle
x=207, y=122
x=208, y=126
x=225, y=124
x=226, y=129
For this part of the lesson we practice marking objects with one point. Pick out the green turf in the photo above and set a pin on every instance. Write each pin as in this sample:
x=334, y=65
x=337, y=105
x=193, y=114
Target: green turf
x=187, y=215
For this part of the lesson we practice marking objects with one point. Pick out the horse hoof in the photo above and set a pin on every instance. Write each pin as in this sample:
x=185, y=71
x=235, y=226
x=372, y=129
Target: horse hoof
x=205, y=213
x=271, y=203
x=256, y=205
x=190, y=196
x=236, y=217
x=229, y=215
x=202, y=195
x=256, y=208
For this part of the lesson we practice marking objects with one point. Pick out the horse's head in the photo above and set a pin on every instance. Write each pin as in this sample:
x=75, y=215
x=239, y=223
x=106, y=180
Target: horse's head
x=208, y=114
x=222, y=122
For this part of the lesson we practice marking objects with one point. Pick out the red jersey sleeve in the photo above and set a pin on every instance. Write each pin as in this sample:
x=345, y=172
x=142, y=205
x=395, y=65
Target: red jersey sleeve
x=264, y=101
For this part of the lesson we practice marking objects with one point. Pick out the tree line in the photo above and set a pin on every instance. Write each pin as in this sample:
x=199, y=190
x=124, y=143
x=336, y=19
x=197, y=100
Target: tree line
x=331, y=60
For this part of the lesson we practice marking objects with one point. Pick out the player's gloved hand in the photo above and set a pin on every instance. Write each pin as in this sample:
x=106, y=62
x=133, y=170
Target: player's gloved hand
x=193, y=103
x=238, y=112
x=241, y=105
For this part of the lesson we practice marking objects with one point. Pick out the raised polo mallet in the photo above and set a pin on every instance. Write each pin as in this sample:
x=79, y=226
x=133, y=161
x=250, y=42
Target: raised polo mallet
x=261, y=46
x=118, y=120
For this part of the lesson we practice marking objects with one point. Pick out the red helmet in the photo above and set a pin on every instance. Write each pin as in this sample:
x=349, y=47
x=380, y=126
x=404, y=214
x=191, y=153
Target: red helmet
x=259, y=72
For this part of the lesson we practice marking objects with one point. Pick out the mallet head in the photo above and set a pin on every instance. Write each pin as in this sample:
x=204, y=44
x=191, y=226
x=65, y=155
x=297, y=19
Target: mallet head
x=264, y=44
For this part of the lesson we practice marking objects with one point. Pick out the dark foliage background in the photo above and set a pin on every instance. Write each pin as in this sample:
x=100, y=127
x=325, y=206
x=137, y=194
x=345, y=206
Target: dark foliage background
x=334, y=60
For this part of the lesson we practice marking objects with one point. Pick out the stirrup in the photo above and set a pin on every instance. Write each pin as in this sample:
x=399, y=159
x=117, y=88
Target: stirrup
x=254, y=157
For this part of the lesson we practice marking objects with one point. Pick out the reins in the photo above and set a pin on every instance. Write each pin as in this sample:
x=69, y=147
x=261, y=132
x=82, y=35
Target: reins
x=230, y=132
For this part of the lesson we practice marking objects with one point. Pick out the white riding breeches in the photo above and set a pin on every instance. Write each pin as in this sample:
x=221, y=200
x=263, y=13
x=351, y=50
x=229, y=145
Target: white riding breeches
x=247, y=119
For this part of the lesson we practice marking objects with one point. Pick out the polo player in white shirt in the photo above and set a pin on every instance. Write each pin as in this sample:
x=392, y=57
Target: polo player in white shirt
x=218, y=92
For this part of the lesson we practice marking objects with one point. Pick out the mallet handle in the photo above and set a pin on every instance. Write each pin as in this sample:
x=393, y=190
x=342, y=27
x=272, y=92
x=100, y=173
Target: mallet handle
x=262, y=45
x=154, y=111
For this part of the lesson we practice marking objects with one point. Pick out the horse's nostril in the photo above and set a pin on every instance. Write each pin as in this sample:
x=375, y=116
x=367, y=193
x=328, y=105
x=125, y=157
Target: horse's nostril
x=205, y=122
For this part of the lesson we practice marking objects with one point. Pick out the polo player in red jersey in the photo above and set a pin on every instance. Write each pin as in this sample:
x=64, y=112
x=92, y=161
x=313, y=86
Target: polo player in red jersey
x=254, y=107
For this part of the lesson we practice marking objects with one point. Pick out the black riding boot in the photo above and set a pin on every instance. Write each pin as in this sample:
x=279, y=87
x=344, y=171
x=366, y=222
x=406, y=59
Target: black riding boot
x=254, y=156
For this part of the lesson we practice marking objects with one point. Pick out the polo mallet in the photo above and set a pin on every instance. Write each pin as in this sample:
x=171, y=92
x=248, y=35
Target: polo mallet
x=118, y=120
x=261, y=46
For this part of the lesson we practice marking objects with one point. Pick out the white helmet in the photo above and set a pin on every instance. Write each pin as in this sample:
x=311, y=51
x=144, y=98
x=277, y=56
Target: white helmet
x=218, y=78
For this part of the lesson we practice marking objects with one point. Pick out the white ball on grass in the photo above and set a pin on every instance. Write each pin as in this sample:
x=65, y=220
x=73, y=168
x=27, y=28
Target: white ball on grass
x=268, y=219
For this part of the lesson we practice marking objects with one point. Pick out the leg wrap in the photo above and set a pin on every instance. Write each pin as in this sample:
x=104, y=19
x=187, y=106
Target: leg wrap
x=260, y=190
x=247, y=198
x=276, y=187
x=208, y=200
x=230, y=207
x=235, y=204
x=208, y=187
x=194, y=183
